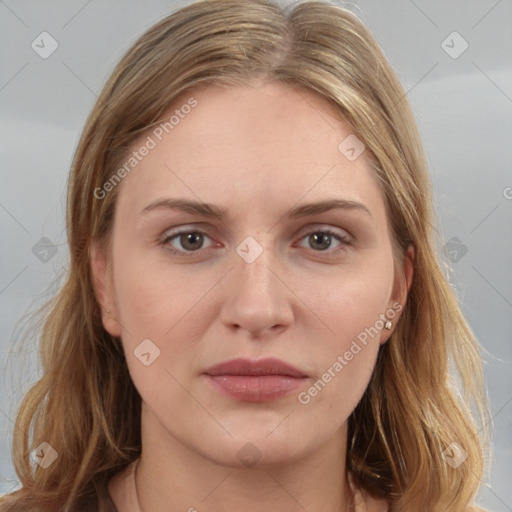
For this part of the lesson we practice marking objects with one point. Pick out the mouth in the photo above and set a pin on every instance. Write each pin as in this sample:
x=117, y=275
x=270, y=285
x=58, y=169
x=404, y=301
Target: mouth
x=255, y=380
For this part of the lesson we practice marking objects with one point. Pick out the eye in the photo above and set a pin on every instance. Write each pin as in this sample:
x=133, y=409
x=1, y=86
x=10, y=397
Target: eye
x=321, y=240
x=191, y=241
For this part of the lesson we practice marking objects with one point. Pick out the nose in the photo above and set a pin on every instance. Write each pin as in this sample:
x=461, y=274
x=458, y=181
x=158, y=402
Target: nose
x=257, y=297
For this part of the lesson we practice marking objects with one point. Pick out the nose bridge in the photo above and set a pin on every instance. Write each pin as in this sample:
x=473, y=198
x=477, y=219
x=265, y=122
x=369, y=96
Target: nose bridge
x=258, y=299
x=253, y=268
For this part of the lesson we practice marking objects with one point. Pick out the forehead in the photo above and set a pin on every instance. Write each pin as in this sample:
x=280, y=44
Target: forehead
x=259, y=145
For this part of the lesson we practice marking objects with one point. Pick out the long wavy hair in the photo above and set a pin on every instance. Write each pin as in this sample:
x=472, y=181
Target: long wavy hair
x=427, y=390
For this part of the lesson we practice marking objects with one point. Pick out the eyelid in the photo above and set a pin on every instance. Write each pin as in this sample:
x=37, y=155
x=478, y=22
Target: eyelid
x=342, y=233
x=305, y=230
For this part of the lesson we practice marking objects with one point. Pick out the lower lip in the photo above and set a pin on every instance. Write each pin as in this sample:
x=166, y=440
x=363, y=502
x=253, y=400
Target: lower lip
x=262, y=388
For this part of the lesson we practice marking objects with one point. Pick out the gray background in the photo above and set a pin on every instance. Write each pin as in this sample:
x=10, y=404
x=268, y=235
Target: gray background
x=463, y=106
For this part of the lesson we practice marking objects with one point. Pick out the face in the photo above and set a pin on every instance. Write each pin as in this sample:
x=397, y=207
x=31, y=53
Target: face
x=270, y=278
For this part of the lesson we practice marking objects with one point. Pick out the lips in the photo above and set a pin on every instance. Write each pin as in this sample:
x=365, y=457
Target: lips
x=255, y=380
x=268, y=366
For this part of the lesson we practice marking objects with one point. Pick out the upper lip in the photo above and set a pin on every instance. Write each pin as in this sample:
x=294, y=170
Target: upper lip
x=267, y=366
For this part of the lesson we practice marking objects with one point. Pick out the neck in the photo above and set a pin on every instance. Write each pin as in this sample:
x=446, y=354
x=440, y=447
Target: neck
x=170, y=477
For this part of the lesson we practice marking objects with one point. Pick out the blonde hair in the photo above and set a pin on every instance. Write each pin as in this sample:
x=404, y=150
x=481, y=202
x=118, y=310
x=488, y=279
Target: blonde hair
x=85, y=404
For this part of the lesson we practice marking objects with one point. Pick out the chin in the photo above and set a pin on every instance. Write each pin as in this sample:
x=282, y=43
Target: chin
x=258, y=450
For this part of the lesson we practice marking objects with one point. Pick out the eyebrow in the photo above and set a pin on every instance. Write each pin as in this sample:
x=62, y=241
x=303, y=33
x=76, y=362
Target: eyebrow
x=217, y=212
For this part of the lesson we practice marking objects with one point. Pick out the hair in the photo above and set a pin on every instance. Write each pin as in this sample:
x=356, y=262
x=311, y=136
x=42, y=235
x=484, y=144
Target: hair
x=427, y=389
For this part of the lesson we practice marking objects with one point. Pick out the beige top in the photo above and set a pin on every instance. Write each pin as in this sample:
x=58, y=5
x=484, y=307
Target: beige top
x=126, y=494
x=104, y=503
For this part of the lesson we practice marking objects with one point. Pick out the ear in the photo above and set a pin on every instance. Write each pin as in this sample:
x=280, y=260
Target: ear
x=404, y=281
x=103, y=287
x=401, y=289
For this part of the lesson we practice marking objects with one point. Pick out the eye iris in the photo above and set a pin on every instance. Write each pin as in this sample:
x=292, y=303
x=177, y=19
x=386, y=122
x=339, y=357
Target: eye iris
x=315, y=237
x=191, y=237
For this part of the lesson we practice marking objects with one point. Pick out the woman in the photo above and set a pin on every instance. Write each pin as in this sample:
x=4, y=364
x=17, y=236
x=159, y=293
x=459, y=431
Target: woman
x=254, y=316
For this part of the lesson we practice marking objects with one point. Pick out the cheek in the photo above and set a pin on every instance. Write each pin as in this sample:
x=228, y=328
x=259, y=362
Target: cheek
x=160, y=305
x=352, y=306
x=162, y=302
x=350, y=300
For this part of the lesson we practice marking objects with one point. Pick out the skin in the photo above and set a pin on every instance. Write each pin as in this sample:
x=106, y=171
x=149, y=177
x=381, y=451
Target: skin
x=258, y=151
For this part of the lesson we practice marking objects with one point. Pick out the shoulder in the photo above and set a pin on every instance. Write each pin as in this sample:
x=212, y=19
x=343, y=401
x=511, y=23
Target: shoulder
x=9, y=504
x=374, y=505
x=366, y=502
x=99, y=503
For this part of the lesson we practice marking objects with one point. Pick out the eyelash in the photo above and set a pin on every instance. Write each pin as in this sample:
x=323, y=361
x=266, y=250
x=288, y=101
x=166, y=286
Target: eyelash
x=345, y=241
